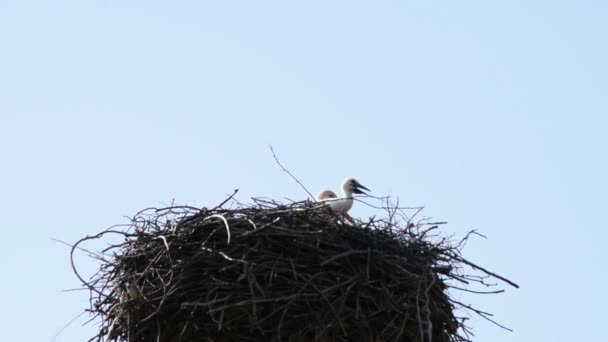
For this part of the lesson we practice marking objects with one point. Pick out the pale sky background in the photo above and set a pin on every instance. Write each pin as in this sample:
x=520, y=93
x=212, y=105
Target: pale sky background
x=491, y=114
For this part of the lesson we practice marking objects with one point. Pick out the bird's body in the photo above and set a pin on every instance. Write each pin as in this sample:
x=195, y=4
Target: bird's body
x=342, y=205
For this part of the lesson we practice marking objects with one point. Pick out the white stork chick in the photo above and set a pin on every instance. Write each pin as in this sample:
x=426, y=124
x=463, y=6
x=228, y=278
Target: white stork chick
x=342, y=205
x=326, y=195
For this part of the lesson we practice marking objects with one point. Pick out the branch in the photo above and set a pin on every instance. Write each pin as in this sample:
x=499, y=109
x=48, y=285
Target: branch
x=289, y=173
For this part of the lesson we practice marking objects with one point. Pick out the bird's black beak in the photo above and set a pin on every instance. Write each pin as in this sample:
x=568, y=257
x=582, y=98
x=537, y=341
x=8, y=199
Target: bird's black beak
x=358, y=187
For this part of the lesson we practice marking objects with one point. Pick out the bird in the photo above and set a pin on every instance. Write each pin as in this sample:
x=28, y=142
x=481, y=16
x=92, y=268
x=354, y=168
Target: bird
x=342, y=205
x=326, y=195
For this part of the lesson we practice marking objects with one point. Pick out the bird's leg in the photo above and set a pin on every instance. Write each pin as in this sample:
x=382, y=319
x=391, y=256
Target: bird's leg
x=348, y=218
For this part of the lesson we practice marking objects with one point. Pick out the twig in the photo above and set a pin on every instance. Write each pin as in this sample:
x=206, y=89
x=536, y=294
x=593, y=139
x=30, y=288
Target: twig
x=225, y=223
x=486, y=271
x=226, y=200
x=67, y=325
x=289, y=173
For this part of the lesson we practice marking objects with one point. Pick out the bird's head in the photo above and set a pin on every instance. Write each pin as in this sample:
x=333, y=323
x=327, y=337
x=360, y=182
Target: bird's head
x=352, y=186
x=326, y=195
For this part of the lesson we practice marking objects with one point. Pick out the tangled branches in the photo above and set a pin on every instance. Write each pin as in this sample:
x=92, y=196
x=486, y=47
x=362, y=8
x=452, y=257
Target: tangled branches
x=275, y=272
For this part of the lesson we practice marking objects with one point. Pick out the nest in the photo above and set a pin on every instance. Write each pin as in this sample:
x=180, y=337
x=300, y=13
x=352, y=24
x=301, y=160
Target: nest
x=277, y=272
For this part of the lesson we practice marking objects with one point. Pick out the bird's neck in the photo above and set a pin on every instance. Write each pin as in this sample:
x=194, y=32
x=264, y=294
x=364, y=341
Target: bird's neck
x=347, y=193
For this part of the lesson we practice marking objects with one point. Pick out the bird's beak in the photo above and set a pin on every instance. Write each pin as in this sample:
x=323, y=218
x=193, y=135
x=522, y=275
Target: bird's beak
x=357, y=189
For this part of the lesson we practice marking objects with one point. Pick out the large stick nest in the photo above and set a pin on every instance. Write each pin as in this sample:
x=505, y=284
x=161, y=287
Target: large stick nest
x=275, y=272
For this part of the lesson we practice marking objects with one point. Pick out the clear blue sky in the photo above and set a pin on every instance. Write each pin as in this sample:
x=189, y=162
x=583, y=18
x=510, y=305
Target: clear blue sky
x=493, y=115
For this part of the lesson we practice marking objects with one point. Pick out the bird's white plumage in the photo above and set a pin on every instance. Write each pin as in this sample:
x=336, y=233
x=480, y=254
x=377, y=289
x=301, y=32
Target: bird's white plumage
x=341, y=205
